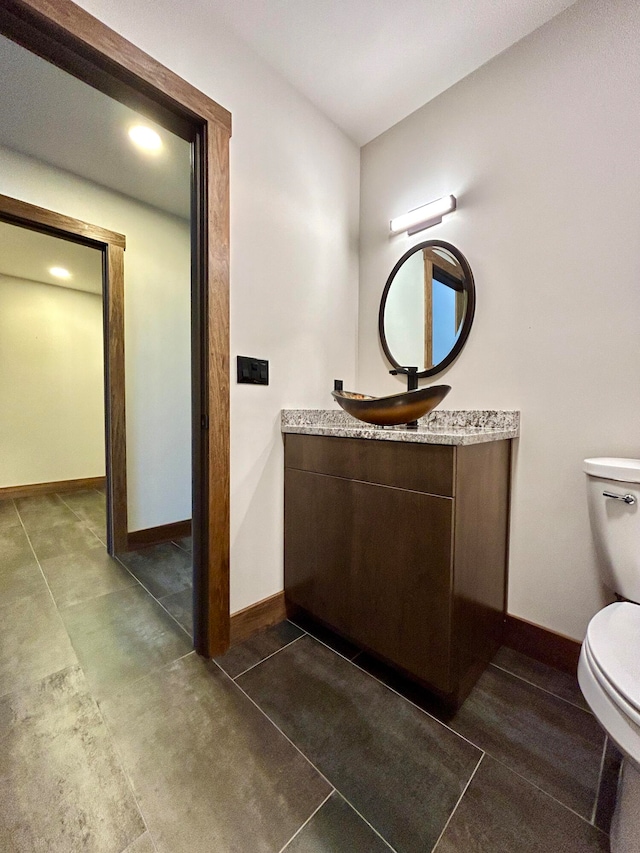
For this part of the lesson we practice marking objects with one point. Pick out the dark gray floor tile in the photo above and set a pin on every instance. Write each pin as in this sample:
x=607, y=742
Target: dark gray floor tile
x=402, y=770
x=209, y=770
x=119, y=637
x=61, y=785
x=501, y=813
x=15, y=549
x=144, y=844
x=257, y=648
x=559, y=683
x=34, y=642
x=180, y=606
x=8, y=514
x=42, y=512
x=336, y=827
x=608, y=787
x=90, y=506
x=20, y=575
x=162, y=569
x=87, y=574
x=186, y=543
x=326, y=636
x=551, y=743
x=63, y=538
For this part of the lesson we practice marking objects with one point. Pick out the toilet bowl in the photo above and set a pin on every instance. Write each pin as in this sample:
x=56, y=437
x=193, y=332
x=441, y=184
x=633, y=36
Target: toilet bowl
x=609, y=666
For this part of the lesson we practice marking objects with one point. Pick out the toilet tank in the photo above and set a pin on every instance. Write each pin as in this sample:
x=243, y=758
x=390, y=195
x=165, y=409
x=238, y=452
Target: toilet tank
x=615, y=521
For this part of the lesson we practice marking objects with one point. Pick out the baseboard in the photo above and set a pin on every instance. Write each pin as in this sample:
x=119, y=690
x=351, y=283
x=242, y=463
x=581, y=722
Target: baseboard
x=542, y=644
x=157, y=535
x=256, y=617
x=32, y=490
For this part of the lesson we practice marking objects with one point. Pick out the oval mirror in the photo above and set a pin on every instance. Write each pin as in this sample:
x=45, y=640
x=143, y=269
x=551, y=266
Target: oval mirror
x=427, y=308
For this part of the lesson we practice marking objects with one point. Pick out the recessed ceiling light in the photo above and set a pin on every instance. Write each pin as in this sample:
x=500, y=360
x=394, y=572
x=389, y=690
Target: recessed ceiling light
x=59, y=272
x=145, y=138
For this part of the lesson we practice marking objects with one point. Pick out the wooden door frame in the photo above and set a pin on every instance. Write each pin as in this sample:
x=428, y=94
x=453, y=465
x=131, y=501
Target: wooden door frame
x=69, y=37
x=112, y=247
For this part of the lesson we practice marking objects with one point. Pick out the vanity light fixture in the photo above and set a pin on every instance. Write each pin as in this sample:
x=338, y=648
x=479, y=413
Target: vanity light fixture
x=59, y=272
x=145, y=138
x=423, y=217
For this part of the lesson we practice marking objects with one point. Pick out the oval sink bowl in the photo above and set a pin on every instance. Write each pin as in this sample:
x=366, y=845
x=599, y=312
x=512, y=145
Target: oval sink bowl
x=395, y=409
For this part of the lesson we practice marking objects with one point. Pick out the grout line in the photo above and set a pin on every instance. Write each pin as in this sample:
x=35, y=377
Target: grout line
x=464, y=791
x=33, y=550
x=186, y=550
x=275, y=725
x=326, y=645
x=298, y=750
x=453, y=731
x=314, y=812
x=126, y=568
x=182, y=628
x=116, y=749
x=254, y=665
x=125, y=685
x=370, y=825
x=546, y=793
x=597, y=797
x=397, y=693
x=544, y=689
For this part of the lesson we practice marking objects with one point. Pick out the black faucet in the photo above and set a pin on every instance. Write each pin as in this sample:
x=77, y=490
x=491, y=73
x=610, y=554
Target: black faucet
x=412, y=385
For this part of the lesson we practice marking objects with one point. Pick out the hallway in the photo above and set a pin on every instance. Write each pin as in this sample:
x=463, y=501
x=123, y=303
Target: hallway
x=116, y=737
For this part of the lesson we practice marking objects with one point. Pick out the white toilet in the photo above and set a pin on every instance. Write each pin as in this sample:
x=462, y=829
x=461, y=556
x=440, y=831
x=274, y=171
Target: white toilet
x=609, y=667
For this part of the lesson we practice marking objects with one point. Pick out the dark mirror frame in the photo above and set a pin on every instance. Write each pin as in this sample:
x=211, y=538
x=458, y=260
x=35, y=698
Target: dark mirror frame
x=468, y=287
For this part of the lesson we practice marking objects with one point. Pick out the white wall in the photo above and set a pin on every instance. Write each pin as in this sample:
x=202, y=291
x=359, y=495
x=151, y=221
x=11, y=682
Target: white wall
x=157, y=330
x=51, y=385
x=541, y=146
x=294, y=265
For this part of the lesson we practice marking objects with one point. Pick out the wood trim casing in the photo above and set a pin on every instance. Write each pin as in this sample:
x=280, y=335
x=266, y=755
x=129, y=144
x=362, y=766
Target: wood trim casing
x=66, y=35
x=28, y=215
x=542, y=644
x=156, y=535
x=93, y=52
x=32, y=490
x=115, y=418
x=263, y=614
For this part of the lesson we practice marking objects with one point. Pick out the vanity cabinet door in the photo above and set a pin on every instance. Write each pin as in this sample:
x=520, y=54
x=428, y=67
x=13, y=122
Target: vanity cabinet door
x=401, y=578
x=318, y=545
x=374, y=563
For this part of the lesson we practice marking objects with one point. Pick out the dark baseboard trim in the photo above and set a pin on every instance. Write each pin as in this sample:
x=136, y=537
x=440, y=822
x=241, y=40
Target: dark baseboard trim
x=256, y=617
x=542, y=644
x=32, y=490
x=157, y=535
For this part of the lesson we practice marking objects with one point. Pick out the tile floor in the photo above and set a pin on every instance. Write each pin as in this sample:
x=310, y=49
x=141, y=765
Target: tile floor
x=115, y=736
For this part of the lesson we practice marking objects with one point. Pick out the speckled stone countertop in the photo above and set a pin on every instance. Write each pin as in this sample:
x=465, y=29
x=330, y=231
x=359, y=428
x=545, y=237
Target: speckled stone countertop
x=444, y=426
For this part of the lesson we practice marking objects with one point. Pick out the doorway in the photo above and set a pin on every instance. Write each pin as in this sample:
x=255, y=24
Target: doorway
x=70, y=38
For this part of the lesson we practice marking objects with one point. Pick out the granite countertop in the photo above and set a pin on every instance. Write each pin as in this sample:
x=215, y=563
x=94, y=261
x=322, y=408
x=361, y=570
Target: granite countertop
x=443, y=426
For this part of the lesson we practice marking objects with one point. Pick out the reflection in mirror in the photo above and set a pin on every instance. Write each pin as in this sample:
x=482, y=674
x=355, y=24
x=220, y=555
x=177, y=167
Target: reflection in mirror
x=427, y=308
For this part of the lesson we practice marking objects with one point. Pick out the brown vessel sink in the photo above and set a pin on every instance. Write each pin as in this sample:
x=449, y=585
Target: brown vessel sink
x=395, y=409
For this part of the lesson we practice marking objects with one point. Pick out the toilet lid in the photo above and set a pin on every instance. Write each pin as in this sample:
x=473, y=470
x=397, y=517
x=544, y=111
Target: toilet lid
x=613, y=637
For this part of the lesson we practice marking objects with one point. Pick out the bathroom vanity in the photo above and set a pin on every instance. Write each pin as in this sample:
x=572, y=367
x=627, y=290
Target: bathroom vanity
x=397, y=539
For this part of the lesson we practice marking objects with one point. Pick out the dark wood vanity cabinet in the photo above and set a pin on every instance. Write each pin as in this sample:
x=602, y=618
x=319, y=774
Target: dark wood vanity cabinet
x=402, y=549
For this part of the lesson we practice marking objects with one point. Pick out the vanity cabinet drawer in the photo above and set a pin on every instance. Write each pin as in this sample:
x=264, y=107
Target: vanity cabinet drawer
x=418, y=467
x=390, y=594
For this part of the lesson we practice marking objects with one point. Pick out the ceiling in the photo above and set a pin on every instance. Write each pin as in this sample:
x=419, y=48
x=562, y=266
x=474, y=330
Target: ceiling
x=367, y=64
x=50, y=115
x=29, y=255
